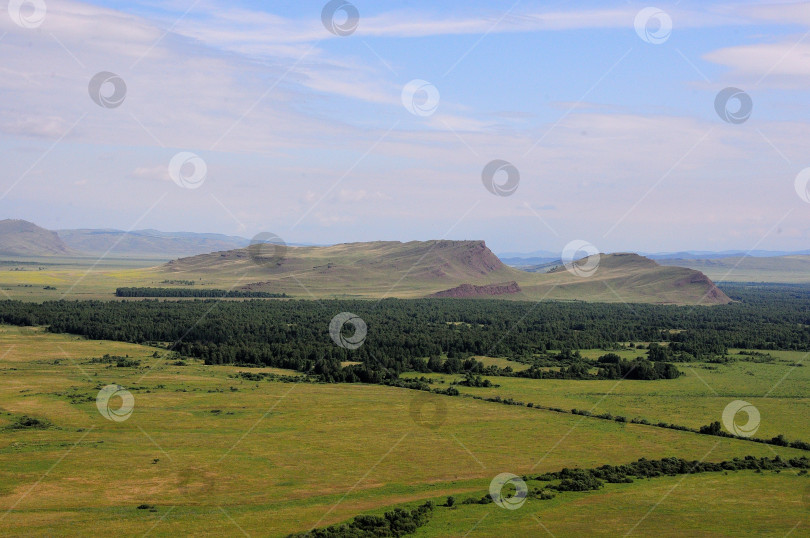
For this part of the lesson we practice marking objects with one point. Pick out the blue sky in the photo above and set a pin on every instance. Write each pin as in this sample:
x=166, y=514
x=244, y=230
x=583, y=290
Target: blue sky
x=304, y=133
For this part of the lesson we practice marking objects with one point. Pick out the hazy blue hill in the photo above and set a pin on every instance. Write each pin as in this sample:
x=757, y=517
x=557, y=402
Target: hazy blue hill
x=26, y=239
x=148, y=242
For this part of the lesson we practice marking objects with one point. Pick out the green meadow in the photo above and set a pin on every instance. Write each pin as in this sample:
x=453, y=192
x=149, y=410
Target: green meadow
x=778, y=389
x=740, y=503
x=205, y=452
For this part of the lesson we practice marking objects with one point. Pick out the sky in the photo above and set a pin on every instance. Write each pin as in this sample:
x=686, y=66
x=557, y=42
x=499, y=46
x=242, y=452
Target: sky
x=526, y=124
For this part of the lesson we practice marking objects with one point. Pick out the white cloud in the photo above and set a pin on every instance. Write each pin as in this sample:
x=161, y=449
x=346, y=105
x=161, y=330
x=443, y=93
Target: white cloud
x=152, y=173
x=47, y=126
x=259, y=33
x=792, y=13
x=180, y=93
x=782, y=65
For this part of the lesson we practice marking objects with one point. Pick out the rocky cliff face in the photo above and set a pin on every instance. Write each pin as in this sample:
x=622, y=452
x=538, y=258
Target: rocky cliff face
x=470, y=290
x=474, y=254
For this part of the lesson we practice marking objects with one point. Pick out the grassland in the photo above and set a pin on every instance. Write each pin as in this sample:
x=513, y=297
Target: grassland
x=735, y=504
x=42, y=279
x=778, y=389
x=208, y=453
x=501, y=363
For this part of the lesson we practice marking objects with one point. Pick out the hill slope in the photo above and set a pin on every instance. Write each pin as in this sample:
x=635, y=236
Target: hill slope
x=441, y=268
x=23, y=238
x=630, y=278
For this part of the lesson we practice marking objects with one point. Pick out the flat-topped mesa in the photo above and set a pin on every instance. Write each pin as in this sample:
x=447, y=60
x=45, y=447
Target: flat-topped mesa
x=439, y=256
x=444, y=268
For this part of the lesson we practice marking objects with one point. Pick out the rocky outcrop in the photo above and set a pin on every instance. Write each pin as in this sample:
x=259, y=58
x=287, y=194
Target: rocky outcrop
x=487, y=290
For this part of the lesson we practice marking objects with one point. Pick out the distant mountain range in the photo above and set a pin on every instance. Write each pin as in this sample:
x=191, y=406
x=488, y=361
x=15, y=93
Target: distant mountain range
x=791, y=269
x=541, y=257
x=148, y=242
x=21, y=239
x=26, y=239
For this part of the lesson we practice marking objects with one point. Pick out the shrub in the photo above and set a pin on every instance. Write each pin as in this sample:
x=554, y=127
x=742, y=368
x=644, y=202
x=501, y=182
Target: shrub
x=30, y=423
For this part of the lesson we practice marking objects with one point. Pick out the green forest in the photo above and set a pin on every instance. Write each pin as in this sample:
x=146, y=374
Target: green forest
x=439, y=335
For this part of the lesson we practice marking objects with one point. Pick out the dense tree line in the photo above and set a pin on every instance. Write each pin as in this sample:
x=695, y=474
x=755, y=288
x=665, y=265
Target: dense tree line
x=200, y=293
x=397, y=522
x=590, y=479
x=411, y=335
x=401, y=522
x=579, y=480
x=780, y=440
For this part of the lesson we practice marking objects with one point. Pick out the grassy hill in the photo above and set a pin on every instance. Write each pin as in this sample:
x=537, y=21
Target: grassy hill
x=26, y=239
x=422, y=268
x=629, y=278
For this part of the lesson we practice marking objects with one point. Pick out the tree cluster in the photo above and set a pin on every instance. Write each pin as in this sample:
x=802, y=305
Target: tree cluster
x=397, y=522
x=202, y=293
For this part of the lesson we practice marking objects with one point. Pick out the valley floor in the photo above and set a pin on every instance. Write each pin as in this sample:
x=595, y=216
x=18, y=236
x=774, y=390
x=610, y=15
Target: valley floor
x=204, y=452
